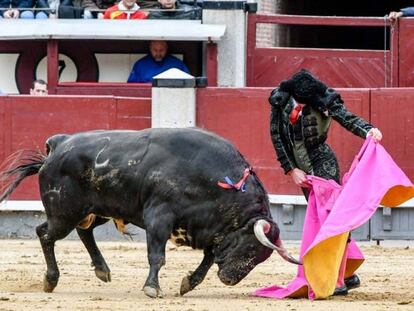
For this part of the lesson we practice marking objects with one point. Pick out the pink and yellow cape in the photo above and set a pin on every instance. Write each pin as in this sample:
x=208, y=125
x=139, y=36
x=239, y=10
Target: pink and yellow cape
x=333, y=211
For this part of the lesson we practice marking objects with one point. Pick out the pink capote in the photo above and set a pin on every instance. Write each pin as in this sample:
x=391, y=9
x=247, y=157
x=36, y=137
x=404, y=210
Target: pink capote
x=332, y=212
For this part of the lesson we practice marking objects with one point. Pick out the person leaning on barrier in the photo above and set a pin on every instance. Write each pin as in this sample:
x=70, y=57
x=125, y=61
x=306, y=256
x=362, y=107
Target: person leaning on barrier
x=406, y=12
x=173, y=9
x=39, y=88
x=126, y=9
x=13, y=9
x=156, y=62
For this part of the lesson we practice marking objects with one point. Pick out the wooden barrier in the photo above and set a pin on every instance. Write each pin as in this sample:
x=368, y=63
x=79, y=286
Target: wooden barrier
x=104, y=88
x=238, y=114
x=27, y=121
x=352, y=68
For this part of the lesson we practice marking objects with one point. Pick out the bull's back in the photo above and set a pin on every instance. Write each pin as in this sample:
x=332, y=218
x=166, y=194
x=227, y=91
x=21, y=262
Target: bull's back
x=126, y=150
x=130, y=166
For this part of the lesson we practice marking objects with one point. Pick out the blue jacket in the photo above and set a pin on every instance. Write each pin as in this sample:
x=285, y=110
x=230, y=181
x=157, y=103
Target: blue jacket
x=408, y=11
x=146, y=68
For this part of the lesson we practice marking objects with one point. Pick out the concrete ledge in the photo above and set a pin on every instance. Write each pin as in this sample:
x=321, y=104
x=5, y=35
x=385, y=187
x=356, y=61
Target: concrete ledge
x=300, y=200
x=26, y=206
x=287, y=199
x=224, y=5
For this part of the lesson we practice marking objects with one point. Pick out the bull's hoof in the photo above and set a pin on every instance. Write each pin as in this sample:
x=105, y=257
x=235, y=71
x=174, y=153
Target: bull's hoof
x=49, y=285
x=153, y=292
x=185, y=285
x=103, y=275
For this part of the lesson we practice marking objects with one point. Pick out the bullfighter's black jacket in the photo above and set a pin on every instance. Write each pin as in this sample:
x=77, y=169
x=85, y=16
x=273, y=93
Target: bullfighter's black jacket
x=303, y=144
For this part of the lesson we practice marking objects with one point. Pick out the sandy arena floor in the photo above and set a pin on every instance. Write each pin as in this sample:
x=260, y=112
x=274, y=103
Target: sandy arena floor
x=387, y=281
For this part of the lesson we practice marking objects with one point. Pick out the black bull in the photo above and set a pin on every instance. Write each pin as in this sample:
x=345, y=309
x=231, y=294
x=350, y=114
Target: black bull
x=162, y=180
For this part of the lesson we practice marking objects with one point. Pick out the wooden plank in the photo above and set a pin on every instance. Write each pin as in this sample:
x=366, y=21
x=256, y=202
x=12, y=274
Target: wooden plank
x=406, y=56
x=321, y=20
x=393, y=112
x=212, y=64
x=338, y=68
x=52, y=65
x=133, y=113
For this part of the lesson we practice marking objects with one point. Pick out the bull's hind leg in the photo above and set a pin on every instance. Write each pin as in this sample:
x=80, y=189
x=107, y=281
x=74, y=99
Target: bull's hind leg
x=190, y=281
x=48, y=233
x=86, y=235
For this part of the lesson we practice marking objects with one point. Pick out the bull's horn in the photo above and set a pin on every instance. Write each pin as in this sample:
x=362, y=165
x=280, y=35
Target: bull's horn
x=259, y=231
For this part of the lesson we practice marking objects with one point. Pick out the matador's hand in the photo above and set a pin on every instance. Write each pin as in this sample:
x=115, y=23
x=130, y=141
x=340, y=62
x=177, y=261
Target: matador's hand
x=299, y=178
x=376, y=134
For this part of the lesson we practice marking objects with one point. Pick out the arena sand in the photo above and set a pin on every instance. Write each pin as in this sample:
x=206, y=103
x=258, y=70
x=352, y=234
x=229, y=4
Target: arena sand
x=387, y=281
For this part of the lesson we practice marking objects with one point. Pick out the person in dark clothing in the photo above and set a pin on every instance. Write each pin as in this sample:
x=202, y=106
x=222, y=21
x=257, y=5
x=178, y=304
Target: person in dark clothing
x=69, y=10
x=302, y=109
x=173, y=9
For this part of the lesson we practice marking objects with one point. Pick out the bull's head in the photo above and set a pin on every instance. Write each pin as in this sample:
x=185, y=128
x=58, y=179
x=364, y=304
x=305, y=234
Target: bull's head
x=242, y=250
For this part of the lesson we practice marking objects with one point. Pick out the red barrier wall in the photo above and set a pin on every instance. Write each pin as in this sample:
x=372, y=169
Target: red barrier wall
x=405, y=56
x=26, y=122
x=240, y=115
x=392, y=110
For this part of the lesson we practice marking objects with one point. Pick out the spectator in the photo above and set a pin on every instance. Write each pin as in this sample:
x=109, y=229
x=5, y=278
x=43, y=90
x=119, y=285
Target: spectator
x=156, y=62
x=90, y=9
x=70, y=9
x=173, y=9
x=51, y=7
x=126, y=9
x=94, y=8
x=13, y=9
x=393, y=15
x=39, y=88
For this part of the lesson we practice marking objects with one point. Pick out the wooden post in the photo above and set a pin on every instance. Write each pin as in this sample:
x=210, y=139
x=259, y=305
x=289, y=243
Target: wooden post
x=250, y=47
x=212, y=64
x=395, y=54
x=52, y=66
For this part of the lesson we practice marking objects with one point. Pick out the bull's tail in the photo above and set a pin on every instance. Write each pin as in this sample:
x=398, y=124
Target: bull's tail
x=17, y=167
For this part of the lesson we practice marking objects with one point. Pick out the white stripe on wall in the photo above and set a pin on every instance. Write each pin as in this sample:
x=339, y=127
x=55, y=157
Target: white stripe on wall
x=35, y=206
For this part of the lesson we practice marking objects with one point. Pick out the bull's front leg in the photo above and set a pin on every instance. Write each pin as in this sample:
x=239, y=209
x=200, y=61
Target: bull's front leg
x=190, y=281
x=158, y=228
x=156, y=259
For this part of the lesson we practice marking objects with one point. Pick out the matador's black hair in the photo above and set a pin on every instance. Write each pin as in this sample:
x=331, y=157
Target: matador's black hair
x=304, y=87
